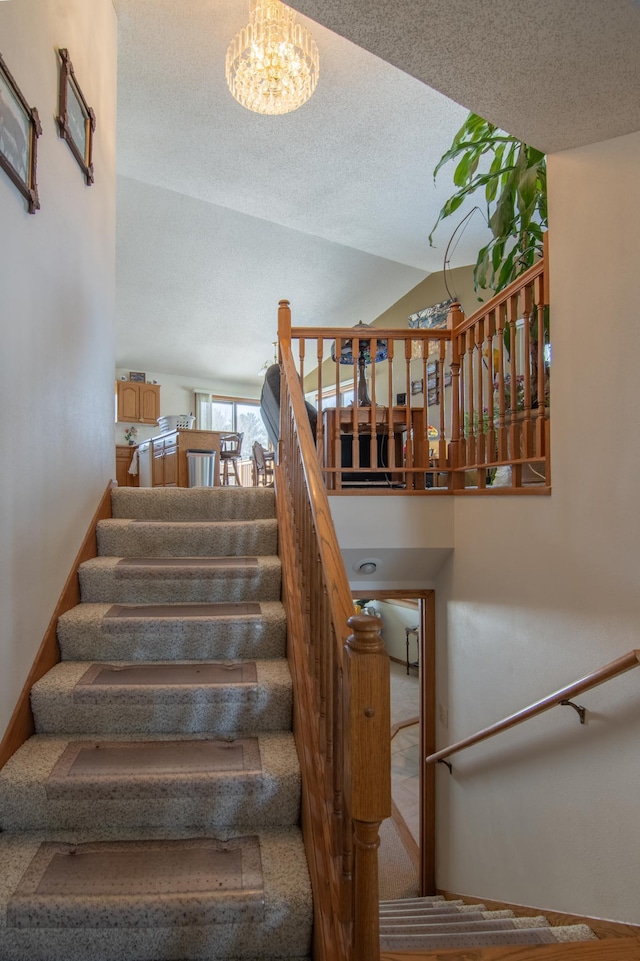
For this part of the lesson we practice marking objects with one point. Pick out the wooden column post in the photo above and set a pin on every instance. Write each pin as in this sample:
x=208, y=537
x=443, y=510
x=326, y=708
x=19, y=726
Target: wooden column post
x=367, y=715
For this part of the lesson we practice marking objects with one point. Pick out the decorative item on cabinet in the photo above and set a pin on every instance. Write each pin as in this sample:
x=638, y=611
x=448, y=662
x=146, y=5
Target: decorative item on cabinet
x=130, y=435
x=138, y=403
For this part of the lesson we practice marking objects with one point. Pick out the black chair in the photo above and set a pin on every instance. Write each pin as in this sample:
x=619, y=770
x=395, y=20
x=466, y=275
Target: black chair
x=270, y=406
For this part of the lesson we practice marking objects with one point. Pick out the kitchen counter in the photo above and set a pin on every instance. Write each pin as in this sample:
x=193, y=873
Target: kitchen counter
x=163, y=459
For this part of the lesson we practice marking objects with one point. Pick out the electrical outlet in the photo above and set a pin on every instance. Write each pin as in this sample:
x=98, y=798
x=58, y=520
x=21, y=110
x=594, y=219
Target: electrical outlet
x=443, y=715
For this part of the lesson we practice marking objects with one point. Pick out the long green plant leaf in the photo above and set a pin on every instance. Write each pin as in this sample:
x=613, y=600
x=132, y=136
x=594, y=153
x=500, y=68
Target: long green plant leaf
x=513, y=177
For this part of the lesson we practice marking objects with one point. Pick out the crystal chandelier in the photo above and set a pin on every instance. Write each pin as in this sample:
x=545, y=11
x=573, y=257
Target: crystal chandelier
x=272, y=65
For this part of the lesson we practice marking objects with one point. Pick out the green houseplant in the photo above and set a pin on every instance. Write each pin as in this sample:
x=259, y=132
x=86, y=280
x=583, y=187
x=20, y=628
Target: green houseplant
x=513, y=176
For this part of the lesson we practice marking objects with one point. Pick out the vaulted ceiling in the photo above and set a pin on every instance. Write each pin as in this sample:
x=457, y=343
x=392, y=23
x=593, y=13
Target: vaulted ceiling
x=222, y=212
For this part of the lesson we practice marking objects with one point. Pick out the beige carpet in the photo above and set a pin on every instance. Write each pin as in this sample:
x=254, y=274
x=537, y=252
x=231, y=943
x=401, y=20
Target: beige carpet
x=398, y=876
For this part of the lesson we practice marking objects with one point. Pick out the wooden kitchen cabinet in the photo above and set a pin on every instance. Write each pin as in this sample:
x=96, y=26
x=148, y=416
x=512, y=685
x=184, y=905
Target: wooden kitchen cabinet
x=170, y=460
x=164, y=471
x=137, y=403
x=123, y=460
x=169, y=463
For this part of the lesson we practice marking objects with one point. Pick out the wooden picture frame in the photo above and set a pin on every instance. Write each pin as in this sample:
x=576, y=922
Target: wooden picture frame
x=19, y=131
x=433, y=383
x=76, y=119
x=137, y=376
x=416, y=387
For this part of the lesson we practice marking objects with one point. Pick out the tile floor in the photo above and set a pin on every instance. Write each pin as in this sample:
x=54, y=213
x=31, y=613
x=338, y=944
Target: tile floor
x=405, y=695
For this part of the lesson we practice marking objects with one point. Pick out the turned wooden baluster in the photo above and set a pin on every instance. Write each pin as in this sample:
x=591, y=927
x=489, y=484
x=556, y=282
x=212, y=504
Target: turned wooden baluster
x=409, y=443
x=470, y=410
x=301, y=351
x=338, y=750
x=320, y=420
x=391, y=447
x=418, y=480
x=491, y=426
x=502, y=426
x=481, y=456
x=355, y=439
x=542, y=399
x=514, y=425
x=368, y=771
x=373, y=437
x=442, y=443
x=335, y=440
x=454, y=319
x=527, y=426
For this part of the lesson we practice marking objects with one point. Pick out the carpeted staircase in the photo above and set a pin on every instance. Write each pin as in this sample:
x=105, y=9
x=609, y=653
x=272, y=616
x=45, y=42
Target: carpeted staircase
x=433, y=923
x=154, y=815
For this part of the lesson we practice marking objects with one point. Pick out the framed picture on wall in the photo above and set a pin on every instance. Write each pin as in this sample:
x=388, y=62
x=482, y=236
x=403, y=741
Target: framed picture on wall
x=76, y=119
x=433, y=385
x=19, y=132
x=138, y=376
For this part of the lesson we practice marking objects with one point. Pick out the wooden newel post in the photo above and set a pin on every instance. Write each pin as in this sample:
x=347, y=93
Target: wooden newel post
x=367, y=716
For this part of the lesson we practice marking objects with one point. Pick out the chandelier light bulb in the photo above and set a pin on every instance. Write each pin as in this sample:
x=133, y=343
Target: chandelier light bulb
x=272, y=65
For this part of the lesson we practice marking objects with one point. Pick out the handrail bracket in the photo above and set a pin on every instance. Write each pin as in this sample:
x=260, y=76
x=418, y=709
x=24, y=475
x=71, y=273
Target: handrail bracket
x=578, y=708
x=441, y=760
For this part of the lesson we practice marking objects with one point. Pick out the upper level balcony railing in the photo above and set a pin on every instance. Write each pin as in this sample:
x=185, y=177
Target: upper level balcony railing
x=452, y=410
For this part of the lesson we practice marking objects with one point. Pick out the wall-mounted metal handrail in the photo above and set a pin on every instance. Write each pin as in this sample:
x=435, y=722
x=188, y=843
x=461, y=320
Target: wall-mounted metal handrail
x=619, y=666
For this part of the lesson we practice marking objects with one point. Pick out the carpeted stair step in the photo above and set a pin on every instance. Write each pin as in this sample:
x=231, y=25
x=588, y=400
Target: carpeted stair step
x=163, y=697
x=425, y=899
x=240, y=629
x=201, y=782
x=138, y=538
x=462, y=923
x=408, y=907
x=201, y=504
x=165, y=580
x=478, y=939
x=99, y=897
x=444, y=917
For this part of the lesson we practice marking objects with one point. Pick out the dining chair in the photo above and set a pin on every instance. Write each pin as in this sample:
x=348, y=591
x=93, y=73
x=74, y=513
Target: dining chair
x=230, y=454
x=262, y=465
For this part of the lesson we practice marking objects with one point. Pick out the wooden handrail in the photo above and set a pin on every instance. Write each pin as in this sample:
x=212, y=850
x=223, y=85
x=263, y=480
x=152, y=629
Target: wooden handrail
x=379, y=333
x=619, y=666
x=341, y=681
x=497, y=300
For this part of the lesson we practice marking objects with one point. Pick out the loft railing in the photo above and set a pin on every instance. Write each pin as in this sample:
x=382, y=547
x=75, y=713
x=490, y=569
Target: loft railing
x=341, y=681
x=451, y=409
x=500, y=368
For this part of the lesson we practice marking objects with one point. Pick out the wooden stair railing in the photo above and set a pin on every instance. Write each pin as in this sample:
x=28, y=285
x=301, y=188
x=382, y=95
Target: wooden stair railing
x=341, y=684
x=561, y=697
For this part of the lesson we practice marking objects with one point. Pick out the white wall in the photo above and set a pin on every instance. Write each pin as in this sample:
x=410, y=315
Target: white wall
x=540, y=591
x=395, y=619
x=57, y=279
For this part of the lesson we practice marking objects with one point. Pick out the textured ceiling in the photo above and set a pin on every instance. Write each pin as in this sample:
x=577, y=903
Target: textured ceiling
x=222, y=212
x=555, y=73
